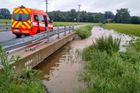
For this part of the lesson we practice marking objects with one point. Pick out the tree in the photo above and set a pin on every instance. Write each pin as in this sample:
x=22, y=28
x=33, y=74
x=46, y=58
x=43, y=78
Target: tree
x=122, y=16
x=109, y=16
x=135, y=20
x=83, y=16
x=5, y=13
x=73, y=15
x=56, y=15
x=99, y=17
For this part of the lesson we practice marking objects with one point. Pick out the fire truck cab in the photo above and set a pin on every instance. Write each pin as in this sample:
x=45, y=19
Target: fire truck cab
x=27, y=21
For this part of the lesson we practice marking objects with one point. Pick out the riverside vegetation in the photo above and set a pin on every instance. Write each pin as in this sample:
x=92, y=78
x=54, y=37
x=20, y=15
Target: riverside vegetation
x=109, y=71
x=12, y=82
x=84, y=31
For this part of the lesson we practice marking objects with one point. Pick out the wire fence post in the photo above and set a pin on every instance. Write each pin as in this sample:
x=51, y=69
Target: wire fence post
x=58, y=32
x=69, y=29
x=73, y=28
x=65, y=30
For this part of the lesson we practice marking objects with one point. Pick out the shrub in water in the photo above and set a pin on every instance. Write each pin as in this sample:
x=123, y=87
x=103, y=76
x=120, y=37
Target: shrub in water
x=84, y=32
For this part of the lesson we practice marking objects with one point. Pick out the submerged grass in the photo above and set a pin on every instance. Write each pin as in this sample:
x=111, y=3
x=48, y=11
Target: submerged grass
x=11, y=82
x=84, y=31
x=116, y=73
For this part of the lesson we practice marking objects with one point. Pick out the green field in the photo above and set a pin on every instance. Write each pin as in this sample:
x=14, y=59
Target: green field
x=64, y=23
x=130, y=29
x=4, y=21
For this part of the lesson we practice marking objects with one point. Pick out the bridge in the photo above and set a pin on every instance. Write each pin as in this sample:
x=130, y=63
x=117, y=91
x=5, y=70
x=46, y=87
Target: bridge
x=32, y=50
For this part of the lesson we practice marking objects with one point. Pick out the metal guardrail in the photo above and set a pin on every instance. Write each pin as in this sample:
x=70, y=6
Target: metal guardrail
x=17, y=43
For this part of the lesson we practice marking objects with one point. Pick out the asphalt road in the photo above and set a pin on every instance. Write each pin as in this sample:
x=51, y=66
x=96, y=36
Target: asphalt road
x=7, y=35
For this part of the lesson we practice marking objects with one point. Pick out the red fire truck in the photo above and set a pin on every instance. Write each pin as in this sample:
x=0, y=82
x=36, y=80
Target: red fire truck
x=27, y=21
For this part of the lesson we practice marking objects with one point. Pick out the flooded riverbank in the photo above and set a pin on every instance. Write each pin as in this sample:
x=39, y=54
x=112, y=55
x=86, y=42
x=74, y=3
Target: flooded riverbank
x=60, y=71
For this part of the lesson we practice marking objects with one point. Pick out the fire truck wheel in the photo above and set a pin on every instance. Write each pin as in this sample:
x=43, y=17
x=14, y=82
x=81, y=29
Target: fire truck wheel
x=18, y=35
x=38, y=31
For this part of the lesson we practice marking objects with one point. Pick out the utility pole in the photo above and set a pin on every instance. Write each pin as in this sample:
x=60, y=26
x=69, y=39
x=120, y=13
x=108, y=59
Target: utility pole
x=46, y=6
x=79, y=8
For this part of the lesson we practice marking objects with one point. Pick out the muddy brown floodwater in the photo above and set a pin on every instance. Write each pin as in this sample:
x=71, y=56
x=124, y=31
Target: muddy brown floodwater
x=60, y=76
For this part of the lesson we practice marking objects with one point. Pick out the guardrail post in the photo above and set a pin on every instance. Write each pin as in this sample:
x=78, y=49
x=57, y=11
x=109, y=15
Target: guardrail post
x=58, y=32
x=48, y=36
x=65, y=30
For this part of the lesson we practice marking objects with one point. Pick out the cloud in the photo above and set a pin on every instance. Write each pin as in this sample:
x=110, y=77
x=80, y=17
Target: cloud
x=65, y=5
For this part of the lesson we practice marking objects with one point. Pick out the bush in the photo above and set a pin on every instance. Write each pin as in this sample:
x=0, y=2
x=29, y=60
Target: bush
x=116, y=73
x=12, y=82
x=84, y=31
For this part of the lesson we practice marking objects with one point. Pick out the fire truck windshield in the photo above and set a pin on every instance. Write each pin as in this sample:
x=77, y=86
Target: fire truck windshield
x=21, y=17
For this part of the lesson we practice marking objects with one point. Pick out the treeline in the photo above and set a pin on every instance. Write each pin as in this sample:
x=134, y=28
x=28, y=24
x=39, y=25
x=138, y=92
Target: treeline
x=122, y=16
x=4, y=13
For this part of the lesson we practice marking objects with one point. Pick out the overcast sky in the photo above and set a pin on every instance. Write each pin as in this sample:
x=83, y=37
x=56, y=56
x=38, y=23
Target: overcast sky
x=88, y=5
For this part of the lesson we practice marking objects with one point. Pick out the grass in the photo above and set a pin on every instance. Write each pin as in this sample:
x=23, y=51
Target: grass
x=5, y=21
x=130, y=29
x=116, y=73
x=73, y=23
x=107, y=44
x=84, y=31
x=11, y=82
x=65, y=23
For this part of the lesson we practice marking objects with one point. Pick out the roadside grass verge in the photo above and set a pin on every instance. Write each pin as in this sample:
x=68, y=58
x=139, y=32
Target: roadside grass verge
x=84, y=31
x=11, y=82
x=111, y=73
x=130, y=29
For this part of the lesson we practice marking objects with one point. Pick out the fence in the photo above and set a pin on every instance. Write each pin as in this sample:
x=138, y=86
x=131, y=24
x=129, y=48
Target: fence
x=5, y=26
x=16, y=43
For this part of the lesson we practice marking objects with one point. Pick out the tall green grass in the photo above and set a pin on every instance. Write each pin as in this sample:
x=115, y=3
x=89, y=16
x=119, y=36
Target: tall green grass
x=107, y=44
x=84, y=31
x=12, y=82
x=116, y=73
x=130, y=29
